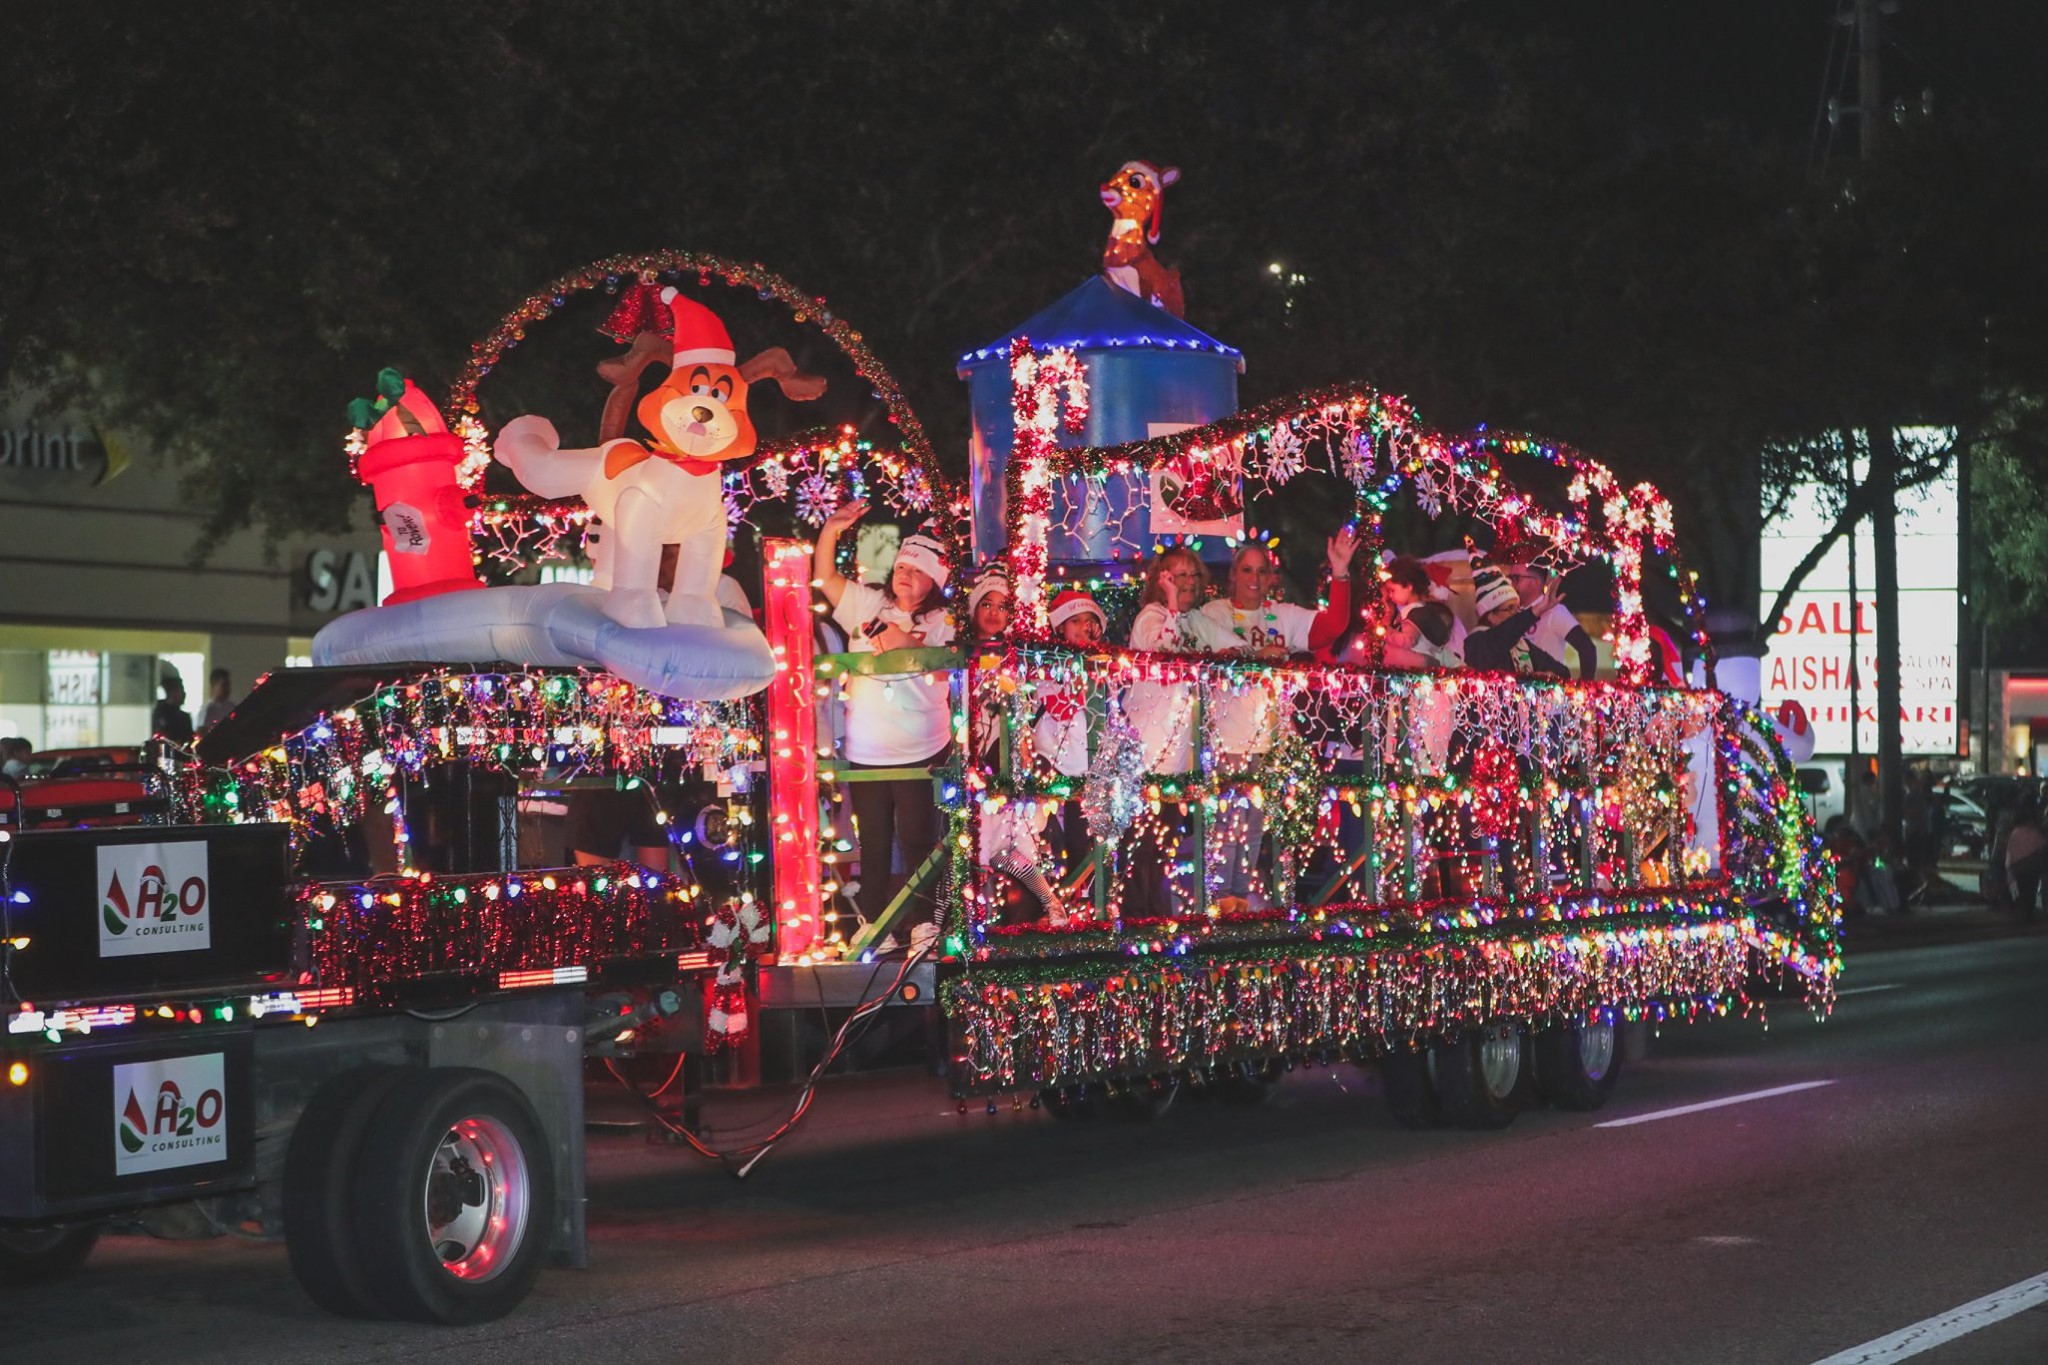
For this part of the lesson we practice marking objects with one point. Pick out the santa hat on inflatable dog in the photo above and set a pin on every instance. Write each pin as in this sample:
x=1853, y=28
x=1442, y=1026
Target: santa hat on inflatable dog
x=700, y=338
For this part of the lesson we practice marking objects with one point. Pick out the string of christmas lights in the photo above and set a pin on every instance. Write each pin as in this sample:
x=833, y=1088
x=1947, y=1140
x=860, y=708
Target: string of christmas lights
x=613, y=272
x=1025, y=1027
x=1572, y=796
x=328, y=774
x=370, y=936
x=1375, y=442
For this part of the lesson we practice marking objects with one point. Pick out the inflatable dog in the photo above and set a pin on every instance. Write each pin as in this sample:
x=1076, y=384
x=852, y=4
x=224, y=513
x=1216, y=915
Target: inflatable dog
x=667, y=490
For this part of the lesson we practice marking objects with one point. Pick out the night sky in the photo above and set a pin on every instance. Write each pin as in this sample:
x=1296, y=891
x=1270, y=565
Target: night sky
x=1757, y=65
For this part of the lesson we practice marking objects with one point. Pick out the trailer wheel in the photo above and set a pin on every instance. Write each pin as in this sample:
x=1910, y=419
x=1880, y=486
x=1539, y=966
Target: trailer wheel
x=1410, y=1093
x=1478, y=1074
x=319, y=1188
x=1148, y=1098
x=1067, y=1104
x=455, y=1195
x=1577, y=1065
x=37, y=1255
x=1248, y=1083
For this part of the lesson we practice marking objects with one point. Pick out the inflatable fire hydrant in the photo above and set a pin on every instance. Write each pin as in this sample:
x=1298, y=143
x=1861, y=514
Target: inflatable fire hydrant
x=409, y=459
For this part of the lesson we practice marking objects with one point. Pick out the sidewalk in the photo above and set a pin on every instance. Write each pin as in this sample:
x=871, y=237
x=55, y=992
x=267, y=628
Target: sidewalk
x=1952, y=912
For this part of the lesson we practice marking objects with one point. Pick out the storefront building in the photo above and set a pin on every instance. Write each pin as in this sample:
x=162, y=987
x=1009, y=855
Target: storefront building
x=101, y=598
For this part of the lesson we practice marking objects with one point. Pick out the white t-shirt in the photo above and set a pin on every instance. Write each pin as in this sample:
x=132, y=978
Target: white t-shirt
x=1550, y=634
x=894, y=722
x=1163, y=713
x=1241, y=721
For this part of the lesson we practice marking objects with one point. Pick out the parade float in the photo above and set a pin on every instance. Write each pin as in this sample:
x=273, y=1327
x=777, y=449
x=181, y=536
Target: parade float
x=1475, y=881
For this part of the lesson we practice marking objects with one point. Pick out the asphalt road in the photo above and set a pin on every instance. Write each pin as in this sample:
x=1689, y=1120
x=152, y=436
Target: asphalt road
x=1911, y=1181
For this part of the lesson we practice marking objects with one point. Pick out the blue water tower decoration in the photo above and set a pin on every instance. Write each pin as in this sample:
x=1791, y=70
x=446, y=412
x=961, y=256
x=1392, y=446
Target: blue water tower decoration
x=1149, y=373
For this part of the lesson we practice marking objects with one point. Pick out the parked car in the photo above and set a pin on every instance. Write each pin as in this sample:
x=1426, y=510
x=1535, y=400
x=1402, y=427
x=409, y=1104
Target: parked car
x=1822, y=789
x=84, y=788
x=1966, y=826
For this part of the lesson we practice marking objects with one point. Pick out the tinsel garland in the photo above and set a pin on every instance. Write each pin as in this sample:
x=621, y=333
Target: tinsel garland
x=374, y=935
x=1587, y=766
x=1291, y=775
x=1114, y=793
x=1349, y=926
x=1018, y=1030
x=613, y=272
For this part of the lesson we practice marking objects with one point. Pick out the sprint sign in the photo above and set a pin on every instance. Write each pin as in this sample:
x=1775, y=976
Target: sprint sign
x=153, y=899
x=170, y=1113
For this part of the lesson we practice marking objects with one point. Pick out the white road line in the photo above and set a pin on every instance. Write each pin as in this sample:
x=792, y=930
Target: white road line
x=1704, y=1105
x=1867, y=990
x=1929, y=1333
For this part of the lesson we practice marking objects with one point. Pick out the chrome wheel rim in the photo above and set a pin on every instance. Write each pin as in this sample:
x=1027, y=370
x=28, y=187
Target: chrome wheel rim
x=477, y=1198
x=1596, y=1050
x=1500, y=1059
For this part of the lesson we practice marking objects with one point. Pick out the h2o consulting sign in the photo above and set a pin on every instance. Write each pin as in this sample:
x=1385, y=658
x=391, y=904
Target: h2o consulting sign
x=153, y=899
x=170, y=1113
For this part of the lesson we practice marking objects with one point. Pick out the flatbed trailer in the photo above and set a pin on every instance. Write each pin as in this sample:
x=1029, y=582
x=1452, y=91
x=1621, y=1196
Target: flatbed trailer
x=340, y=983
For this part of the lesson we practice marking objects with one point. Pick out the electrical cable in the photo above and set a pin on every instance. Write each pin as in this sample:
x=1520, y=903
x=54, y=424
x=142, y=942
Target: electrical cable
x=445, y=1015
x=655, y=1093
x=753, y=1151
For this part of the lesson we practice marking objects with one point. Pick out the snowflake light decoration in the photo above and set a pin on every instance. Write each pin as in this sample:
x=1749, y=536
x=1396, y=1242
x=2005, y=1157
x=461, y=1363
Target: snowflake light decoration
x=816, y=499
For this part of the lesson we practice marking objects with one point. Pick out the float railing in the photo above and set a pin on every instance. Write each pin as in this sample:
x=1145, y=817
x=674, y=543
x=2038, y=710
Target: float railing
x=893, y=663
x=1380, y=788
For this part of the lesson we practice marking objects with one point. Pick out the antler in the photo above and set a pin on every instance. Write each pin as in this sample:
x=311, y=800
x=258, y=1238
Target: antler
x=775, y=363
x=623, y=373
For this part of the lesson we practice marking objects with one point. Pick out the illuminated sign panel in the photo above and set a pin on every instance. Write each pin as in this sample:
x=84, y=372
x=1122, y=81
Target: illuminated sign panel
x=1807, y=656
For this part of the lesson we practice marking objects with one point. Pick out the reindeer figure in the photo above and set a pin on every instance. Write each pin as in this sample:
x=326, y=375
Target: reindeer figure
x=1135, y=195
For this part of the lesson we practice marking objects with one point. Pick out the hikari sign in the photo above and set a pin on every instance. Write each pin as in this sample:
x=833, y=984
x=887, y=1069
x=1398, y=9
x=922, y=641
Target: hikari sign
x=1807, y=658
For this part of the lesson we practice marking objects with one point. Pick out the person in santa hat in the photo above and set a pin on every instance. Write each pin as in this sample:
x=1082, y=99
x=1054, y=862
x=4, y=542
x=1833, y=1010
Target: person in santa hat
x=903, y=721
x=1249, y=622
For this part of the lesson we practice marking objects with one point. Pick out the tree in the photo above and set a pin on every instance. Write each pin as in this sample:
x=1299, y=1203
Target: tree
x=226, y=227
x=1924, y=293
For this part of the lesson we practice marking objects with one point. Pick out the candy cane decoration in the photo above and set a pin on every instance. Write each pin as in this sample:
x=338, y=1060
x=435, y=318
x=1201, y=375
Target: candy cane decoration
x=1037, y=383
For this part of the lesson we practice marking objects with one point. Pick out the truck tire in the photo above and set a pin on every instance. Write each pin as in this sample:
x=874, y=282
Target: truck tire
x=1147, y=1098
x=1248, y=1083
x=1068, y=1104
x=319, y=1188
x=1409, y=1091
x=1479, y=1074
x=1577, y=1065
x=454, y=1198
x=38, y=1255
